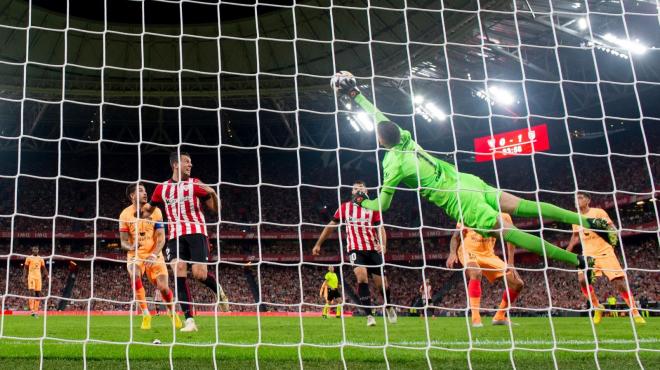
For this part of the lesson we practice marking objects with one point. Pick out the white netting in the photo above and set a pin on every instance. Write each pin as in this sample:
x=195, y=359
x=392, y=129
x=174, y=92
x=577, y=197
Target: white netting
x=94, y=96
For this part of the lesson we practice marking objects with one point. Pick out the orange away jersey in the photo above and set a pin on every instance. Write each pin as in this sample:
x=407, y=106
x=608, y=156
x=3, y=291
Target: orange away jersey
x=144, y=229
x=34, y=264
x=592, y=244
x=475, y=243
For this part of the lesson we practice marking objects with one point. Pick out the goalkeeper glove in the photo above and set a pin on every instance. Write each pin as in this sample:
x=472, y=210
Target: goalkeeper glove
x=359, y=197
x=344, y=84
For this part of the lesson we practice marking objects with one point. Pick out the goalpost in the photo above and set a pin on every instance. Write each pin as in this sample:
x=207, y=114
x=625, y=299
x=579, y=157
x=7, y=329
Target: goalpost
x=529, y=95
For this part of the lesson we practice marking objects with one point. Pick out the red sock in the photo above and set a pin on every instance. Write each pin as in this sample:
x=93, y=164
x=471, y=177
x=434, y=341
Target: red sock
x=474, y=292
x=513, y=295
x=167, y=295
x=627, y=297
x=474, y=288
x=140, y=295
x=591, y=295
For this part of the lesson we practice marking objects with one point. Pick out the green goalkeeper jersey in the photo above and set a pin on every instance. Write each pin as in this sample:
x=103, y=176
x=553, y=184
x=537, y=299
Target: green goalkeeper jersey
x=462, y=196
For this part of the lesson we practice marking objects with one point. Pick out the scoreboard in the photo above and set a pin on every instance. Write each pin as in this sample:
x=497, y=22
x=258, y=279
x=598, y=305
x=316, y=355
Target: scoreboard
x=511, y=143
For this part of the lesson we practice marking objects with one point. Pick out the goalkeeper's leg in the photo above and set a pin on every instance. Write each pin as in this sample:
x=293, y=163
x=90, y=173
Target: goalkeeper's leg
x=516, y=206
x=539, y=246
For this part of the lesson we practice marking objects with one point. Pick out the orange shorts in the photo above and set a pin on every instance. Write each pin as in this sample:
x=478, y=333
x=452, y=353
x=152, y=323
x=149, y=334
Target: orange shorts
x=153, y=271
x=494, y=264
x=607, y=264
x=34, y=284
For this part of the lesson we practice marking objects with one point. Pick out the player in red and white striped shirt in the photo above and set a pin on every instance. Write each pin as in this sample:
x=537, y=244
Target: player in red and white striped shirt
x=366, y=242
x=182, y=196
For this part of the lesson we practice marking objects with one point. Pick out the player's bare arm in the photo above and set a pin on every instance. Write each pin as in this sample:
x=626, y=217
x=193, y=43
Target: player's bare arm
x=382, y=237
x=575, y=240
x=126, y=244
x=453, y=248
x=327, y=231
x=212, y=203
x=324, y=286
x=159, y=235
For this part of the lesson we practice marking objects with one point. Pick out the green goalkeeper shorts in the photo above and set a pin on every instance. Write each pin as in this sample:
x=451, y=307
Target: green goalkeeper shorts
x=475, y=204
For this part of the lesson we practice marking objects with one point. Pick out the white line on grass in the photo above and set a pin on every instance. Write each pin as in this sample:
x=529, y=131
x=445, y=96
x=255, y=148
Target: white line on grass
x=476, y=342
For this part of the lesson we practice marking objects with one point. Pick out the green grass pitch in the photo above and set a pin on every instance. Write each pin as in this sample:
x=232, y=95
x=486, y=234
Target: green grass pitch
x=451, y=346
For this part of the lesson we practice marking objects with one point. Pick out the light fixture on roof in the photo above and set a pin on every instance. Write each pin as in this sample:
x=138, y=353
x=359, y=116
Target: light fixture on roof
x=354, y=124
x=429, y=111
x=634, y=46
x=497, y=95
x=364, y=121
x=436, y=112
x=582, y=23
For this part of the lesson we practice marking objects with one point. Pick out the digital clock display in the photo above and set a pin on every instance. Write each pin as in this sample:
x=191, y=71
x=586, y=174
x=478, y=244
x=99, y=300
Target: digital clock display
x=511, y=143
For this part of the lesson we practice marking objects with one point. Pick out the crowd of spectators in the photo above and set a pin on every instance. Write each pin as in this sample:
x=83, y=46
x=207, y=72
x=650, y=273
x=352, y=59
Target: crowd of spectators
x=270, y=198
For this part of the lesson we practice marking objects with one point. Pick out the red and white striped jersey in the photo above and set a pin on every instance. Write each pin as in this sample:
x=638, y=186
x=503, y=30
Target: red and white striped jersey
x=361, y=224
x=182, y=206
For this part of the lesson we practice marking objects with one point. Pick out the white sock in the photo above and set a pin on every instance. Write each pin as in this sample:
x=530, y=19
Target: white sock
x=145, y=312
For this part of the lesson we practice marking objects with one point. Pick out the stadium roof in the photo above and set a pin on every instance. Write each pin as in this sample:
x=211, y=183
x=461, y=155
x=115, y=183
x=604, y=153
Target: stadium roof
x=278, y=50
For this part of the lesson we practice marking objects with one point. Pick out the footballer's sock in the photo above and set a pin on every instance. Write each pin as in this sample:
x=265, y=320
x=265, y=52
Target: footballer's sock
x=35, y=305
x=537, y=245
x=338, y=311
x=474, y=292
x=183, y=296
x=326, y=308
x=386, y=297
x=365, y=297
x=509, y=295
x=628, y=298
x=528, y=208
x=141, y=296
x=31, y=304
x=590, y=295
x=211, y=282
x=167, y=297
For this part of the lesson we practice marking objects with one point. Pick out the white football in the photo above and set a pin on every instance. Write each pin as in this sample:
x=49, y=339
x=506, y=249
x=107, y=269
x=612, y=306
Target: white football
x=339, y=75
x=156, y=341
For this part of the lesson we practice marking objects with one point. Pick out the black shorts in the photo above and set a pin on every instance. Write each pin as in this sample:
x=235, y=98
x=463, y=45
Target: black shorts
x=366, y=259
x=191, y=248
x=333, y=294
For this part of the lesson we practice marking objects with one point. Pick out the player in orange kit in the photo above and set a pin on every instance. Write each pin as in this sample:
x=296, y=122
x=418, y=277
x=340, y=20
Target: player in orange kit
x=34, y=267
x=477, y=254
x=605, y=261
x=144, y=240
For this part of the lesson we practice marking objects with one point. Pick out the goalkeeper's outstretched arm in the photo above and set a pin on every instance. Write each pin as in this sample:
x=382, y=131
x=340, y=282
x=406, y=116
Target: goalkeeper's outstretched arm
x=389, y=135
x=345, y=85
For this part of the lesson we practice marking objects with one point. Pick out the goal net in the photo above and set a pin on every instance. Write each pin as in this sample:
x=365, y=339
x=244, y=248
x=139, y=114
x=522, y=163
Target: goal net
x=542, y=99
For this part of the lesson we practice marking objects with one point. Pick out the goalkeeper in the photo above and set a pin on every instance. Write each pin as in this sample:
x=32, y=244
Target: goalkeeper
x=464, y=197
